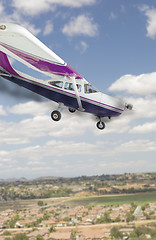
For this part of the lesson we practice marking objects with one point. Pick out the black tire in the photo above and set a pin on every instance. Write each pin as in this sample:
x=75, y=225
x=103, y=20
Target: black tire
x=72, y=110
x=100, y=125
x=56, y=115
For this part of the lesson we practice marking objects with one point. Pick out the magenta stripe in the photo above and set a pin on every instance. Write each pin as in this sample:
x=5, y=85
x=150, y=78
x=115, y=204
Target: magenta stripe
x=45, y=66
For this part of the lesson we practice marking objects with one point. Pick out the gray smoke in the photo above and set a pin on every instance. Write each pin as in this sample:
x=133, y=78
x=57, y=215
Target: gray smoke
x=11, y=89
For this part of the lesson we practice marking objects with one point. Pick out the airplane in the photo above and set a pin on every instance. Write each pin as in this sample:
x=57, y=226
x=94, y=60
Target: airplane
x=66, y=86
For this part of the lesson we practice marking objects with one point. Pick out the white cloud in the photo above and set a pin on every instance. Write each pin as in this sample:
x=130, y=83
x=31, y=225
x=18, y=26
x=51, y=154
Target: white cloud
x=1, y=8
x=82, y=47
x=123, y=8
x=148, y=127
x=34, y=7
x=150, y=13
x=31, y=108
x=112, y=16
x=143, y=84
x=48, y=28
x=57, y=149
x=81, y=25
x=2, y=111
x=120, y=166
x=16, y=17
x=39, y=123
x=31, y=27
x=139, y=145
x=143, y=107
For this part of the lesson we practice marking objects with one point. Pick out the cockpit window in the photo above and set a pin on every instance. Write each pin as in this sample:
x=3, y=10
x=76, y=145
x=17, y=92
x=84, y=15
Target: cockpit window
x=89, y=88
x=69, y=86
x=58, y=84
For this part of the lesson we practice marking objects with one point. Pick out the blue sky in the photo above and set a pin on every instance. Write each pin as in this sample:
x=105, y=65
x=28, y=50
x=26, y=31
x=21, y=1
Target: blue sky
x=113, y=45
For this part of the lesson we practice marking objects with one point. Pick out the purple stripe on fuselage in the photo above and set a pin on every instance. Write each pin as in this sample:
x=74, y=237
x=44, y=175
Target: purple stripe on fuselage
x=43, y=65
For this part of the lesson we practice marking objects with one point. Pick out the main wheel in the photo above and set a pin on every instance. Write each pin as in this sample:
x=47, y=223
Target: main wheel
x=72, y=110
x=100, y=125
x=56, y=115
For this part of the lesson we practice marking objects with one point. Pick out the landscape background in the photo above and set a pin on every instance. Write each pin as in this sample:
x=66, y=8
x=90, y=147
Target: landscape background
x=102, y=207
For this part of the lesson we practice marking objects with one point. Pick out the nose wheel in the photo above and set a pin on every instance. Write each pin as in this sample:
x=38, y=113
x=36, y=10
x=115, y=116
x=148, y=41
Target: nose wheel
x=56, y=115
x=100, y=125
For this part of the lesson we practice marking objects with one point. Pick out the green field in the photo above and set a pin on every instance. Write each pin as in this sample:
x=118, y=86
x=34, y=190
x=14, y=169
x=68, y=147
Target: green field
x=140, y=198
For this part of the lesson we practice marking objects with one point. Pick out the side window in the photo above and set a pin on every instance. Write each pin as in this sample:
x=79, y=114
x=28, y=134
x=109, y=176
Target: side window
x=89, y=88
x=78, y=87
x=58, y=84
x=69, y=86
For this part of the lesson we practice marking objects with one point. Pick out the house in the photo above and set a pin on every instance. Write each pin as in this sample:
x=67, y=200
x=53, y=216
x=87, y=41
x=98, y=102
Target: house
x=49, y=223
x=60, y=234
x=41, y=232
x=61, y=224
x=138, y=214
x=126, y=231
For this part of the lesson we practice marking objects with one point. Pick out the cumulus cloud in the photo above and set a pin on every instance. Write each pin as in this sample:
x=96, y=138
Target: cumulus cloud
x=143, y=84
x=48, y=28
x=16, y=17
x=57, y=149
x=112, y=16
x=34, y=8
x=144, y=107
x=2, y=111
x=150, y=13
x=81, y=25
x=139, y=145
x=82, y=47
x=31, y=108
x=39, y=123
x=148, y=127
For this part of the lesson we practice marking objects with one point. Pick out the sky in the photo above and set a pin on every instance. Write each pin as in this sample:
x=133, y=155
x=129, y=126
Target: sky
x=112, y=44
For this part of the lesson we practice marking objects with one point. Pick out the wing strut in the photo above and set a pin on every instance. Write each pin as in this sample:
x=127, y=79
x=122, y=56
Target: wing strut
x=77, y=94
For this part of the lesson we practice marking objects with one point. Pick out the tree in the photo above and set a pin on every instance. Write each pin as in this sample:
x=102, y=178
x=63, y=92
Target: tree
x=115, y=233
x=6, y=233
x=40, y=203
x=118, y=219
x=73, y=234
x=104, y=219
x=20, y=236
x=130, y=217
x=39, y=237
x=52, y=229
x=11, y=223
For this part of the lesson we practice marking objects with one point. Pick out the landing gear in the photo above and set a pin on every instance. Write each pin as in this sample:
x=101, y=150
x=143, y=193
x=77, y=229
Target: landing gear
x=56, y=115
x=72, y=110
x=100, y=125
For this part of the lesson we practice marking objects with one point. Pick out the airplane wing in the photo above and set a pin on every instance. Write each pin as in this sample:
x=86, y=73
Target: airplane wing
x=20, y=44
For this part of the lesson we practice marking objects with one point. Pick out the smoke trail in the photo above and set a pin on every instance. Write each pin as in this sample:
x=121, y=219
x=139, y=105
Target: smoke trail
x=11, y=89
